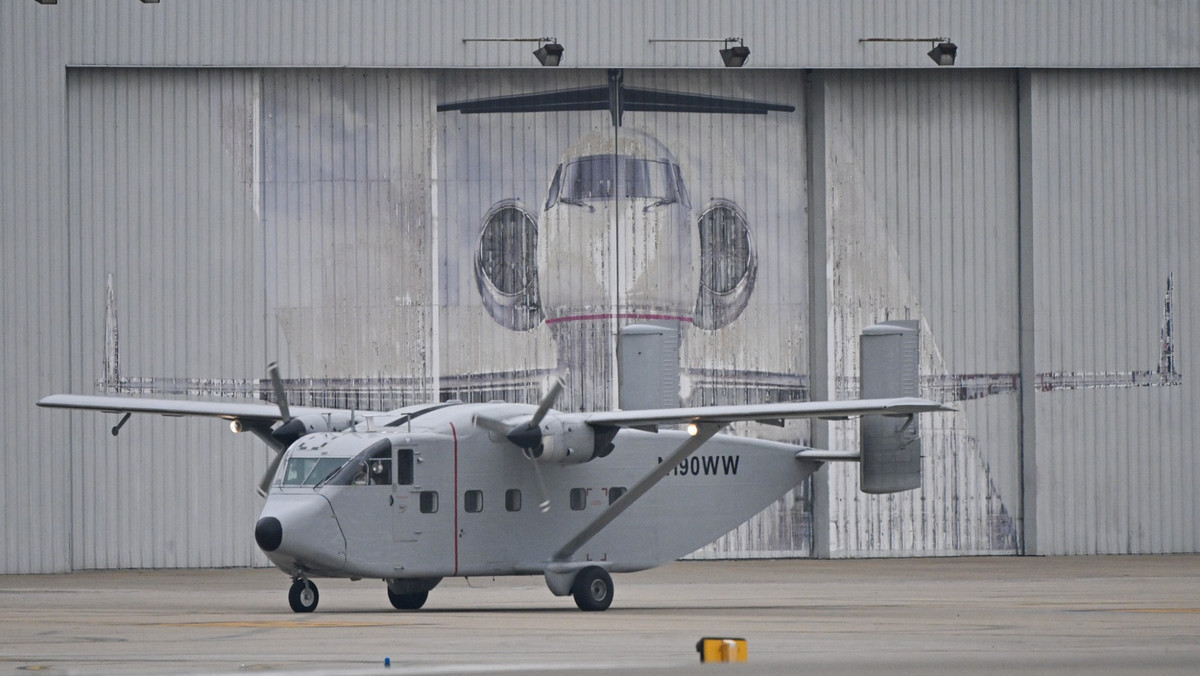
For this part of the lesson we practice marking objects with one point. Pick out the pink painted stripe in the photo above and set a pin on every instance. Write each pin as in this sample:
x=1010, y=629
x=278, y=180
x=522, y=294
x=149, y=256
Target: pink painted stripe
x=623, y=315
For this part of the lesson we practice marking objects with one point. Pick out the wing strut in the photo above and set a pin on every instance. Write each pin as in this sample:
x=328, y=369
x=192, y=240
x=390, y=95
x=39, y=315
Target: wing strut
x=705, y=432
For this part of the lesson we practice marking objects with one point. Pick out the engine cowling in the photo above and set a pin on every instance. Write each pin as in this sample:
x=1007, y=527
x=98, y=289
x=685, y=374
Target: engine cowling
x=568, y=441
x=311, y=423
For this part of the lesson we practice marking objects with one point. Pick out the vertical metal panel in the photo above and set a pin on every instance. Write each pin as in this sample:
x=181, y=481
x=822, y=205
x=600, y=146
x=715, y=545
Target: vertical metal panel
x=922, y=225
x=1116, y=212
x=346, y=219
x=176, y=228
x=34, y=449
x=756, y=163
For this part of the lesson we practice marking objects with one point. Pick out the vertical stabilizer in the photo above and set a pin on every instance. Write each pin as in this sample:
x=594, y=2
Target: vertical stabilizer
x=890, y=358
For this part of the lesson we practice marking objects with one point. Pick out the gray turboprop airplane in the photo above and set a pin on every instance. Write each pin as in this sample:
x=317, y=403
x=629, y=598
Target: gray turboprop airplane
x=426, y=492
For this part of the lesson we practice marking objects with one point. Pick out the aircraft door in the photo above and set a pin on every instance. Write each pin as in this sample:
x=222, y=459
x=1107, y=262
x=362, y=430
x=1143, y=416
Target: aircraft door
x=403, y=501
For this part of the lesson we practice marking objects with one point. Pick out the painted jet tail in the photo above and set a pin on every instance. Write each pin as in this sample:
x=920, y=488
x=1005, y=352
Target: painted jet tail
x=890, y=358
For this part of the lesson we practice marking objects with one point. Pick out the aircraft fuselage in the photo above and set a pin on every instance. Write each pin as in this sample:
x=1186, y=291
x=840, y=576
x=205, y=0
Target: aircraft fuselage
x=458, y=500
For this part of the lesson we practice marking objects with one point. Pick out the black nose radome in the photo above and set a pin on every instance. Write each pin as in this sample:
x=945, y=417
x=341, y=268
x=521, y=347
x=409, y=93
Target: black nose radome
x=268, y=533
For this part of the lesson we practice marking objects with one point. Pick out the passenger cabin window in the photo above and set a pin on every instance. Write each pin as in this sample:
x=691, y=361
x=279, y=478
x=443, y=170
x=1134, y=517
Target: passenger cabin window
x=473, y=501
x=615, y=493
x=429, y=502
x=512, y=500
x=578, y=498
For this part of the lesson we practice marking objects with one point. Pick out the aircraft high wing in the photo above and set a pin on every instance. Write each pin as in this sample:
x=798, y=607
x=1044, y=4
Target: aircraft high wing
x=766, y=413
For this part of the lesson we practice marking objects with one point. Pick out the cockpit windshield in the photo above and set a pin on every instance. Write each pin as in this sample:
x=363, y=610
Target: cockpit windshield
x=310, y=471
x=595, y=177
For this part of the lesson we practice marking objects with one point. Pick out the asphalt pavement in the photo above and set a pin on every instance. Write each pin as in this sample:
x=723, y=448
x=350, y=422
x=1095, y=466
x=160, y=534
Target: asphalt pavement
x=1097, y=614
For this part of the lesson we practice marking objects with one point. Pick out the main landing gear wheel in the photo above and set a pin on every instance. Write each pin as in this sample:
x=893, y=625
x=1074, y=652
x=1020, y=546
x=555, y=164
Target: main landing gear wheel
x=593, y=589
x=303, y=596
x=407, y=601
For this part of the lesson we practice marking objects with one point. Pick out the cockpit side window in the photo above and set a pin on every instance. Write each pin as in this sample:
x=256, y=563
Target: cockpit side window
x=371, y=467
x=404, y=466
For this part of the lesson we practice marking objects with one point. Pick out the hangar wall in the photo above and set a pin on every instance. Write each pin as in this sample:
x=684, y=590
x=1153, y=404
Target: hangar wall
x=922, y=225
x=1102, y=460
x=1114, y=242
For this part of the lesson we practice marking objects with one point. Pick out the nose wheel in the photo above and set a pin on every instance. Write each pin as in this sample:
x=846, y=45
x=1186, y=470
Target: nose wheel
x=303, y=596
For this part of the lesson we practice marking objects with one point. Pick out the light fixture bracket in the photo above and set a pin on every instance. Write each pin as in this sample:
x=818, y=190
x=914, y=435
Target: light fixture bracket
x=548, y=54
x=943, y=52
x=732, y=57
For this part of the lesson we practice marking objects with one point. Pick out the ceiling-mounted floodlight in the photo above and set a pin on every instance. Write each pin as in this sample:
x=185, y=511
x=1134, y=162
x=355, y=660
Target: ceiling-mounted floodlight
x=733, y=57
x=549, y=54
x=943, y=51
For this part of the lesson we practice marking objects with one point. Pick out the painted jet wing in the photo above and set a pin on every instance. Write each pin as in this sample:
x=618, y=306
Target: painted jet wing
x=767, y=413
x=616, y=98
x=173, y=407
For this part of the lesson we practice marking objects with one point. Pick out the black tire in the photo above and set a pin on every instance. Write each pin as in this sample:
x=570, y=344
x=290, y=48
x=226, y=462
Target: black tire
x=593, y=589
x=303, y=596
x=407, y=601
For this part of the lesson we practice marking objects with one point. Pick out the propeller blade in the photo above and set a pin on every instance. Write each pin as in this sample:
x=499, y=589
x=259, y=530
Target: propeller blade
x=547, y=402
x=264, y=484
x=280, y=395
x=544, y=505
x=493, y=425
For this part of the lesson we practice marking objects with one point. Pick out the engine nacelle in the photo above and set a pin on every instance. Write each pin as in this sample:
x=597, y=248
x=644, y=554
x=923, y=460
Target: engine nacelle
x=570, y=442
x=311, y=423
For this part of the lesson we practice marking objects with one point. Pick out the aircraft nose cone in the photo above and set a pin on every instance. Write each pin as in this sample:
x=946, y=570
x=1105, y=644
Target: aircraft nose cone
x=268, y=533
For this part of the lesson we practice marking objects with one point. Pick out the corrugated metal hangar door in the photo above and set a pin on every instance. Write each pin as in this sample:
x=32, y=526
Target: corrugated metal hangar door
x=1115, y=247
x=166, y=285
x=921, y=173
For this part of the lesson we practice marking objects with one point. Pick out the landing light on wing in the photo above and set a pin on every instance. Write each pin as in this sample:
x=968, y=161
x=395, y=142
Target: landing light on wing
x=235, y=426
x=693, y=429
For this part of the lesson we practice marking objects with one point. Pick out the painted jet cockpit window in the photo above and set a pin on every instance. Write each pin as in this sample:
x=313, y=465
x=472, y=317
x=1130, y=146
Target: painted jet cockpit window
x=310, y=471
x=408, y=417
x=592, y=178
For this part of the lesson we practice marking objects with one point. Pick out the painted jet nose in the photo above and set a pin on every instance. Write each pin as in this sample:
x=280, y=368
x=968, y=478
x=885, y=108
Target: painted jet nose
x=268, y=533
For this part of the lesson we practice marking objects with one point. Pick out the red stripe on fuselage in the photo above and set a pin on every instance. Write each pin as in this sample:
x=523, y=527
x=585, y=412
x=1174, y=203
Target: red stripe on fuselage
x=454, y=433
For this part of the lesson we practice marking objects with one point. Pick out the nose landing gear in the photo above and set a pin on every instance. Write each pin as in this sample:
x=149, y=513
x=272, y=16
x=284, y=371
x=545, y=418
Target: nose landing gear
x=303, y=596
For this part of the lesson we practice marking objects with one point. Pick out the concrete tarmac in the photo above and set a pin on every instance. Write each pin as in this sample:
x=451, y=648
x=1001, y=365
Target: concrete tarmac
x=1112, y=614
